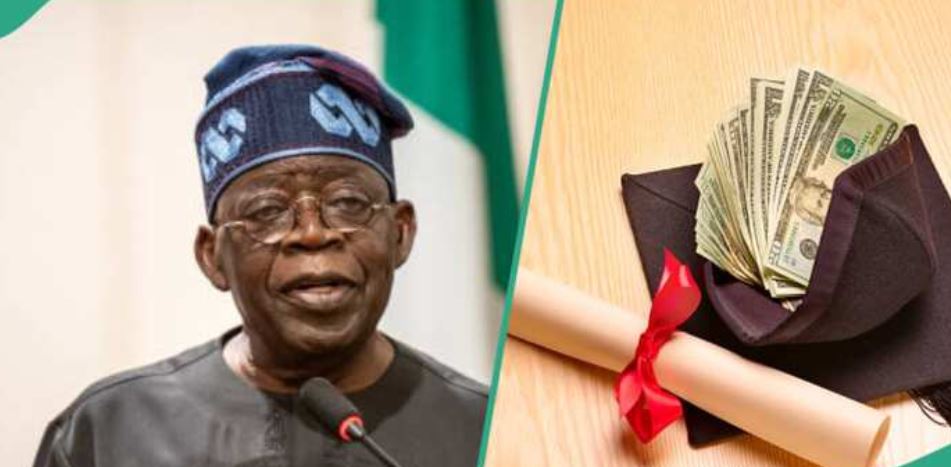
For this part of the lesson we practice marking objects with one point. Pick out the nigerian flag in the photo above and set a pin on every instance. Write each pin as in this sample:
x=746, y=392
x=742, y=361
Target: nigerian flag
x=444, y=57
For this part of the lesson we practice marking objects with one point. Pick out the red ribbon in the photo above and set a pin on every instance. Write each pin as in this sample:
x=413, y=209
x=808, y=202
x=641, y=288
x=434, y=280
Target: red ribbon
x=647, y=407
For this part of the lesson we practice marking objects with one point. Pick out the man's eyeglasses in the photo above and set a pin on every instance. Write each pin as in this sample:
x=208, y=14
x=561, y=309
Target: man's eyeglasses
x=270, y=219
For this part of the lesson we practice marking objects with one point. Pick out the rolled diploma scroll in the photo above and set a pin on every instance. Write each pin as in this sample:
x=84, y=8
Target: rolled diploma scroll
x=798, y=416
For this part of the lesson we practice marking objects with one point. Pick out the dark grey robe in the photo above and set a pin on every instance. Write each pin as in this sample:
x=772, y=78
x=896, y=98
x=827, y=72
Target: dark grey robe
x=191, y=410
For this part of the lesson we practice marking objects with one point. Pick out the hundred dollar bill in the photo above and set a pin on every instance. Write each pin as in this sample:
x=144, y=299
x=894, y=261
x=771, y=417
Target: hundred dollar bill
x=847, y=128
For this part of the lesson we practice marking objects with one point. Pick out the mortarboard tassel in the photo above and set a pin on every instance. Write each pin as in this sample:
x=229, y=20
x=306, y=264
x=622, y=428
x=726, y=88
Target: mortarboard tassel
x=934, y=401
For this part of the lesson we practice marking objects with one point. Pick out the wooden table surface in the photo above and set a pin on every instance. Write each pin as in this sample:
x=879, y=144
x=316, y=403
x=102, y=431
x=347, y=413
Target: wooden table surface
x=637, y=86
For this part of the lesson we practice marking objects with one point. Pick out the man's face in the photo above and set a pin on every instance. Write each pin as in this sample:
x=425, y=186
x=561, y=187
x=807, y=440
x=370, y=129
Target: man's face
x=812, y=202
x=318, y=291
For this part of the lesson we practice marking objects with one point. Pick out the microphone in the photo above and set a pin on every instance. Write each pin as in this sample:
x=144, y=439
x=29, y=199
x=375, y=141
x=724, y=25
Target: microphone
x=336, y=413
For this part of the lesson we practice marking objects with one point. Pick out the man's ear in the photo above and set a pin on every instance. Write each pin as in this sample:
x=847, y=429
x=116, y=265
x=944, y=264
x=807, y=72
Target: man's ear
x=207, y=257
x=405, y=216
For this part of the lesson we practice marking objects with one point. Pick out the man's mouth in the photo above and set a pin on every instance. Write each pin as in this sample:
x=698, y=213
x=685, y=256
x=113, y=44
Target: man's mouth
x=320, y=292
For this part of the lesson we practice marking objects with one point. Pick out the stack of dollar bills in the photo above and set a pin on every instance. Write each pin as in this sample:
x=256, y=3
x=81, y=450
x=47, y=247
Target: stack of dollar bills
x=766, y=185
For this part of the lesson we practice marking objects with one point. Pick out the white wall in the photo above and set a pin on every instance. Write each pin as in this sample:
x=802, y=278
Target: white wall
x=100, y=192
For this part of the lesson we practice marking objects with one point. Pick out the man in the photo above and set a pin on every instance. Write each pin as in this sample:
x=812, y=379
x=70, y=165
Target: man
x=305, y=231
x=811, y=198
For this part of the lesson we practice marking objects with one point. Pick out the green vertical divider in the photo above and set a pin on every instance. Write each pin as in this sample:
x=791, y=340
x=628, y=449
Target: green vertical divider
x=13, y=13
x=939, y=458
x=523, y=215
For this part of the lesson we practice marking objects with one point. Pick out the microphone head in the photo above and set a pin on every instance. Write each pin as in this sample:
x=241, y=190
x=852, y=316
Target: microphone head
x=331, y=408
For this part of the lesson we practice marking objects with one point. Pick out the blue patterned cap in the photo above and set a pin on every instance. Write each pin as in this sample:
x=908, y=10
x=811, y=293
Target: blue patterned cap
x=271, y=102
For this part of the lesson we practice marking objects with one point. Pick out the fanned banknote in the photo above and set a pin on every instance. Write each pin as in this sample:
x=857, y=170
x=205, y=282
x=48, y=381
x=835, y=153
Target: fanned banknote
x=767, y=182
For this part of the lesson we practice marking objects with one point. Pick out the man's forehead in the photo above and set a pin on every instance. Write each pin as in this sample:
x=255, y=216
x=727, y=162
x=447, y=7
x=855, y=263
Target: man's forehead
x=310, y=169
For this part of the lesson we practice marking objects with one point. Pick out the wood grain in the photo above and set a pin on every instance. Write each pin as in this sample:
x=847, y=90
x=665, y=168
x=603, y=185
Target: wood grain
x=637, y=86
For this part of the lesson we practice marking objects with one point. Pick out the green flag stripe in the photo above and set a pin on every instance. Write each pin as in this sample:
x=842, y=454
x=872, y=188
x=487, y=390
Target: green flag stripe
x=445, y=57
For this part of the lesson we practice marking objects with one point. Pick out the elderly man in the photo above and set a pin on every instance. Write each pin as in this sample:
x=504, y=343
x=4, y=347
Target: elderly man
x=305, y=231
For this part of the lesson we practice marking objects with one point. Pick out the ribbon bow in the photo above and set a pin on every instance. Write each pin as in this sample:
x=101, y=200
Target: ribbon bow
x=647, y=407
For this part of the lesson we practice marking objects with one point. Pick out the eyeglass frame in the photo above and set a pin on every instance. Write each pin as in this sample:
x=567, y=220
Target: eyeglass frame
x=373, y=207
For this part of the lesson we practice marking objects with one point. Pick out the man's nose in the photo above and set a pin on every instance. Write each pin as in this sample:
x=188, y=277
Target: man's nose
x=309, y=231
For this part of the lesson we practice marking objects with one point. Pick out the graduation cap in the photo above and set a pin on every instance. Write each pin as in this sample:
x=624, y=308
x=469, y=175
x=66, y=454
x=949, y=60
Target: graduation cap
x=272, y=102
x=876, y=317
